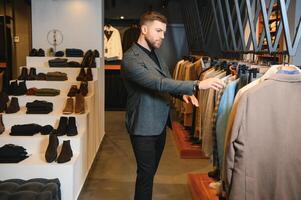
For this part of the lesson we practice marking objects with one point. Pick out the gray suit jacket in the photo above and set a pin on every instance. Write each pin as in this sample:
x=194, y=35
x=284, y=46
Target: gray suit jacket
x=148, y=86
x=263, y=152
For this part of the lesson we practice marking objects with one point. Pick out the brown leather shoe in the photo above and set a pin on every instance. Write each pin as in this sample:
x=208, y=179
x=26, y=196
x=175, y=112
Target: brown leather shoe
x=69, y=106
x=73, y=90
x=89, y=75
x=83, y=88
x=79, y=104
x=82, y=75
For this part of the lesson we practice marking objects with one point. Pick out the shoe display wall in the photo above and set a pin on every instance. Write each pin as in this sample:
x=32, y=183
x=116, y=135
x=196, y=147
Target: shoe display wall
x=75, y=122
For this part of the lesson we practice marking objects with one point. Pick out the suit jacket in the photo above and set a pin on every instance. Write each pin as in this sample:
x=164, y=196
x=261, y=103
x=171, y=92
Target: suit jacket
x=148, y=86
x=263, y=152
x=112, y=46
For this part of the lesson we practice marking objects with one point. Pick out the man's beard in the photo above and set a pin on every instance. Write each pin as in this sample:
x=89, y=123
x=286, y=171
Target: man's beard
x=150, y=44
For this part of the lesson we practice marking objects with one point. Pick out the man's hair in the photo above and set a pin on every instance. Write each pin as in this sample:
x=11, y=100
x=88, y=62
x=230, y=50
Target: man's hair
x=151, y=16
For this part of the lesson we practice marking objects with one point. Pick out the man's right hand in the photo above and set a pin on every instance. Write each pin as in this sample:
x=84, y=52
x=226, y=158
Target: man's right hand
x=213, y=83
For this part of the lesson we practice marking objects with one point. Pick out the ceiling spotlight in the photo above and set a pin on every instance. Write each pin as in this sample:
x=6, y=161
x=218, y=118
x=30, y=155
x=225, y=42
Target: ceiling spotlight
x=121, y=17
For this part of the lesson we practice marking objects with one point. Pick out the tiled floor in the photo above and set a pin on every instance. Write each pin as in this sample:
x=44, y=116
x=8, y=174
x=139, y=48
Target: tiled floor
x=112, y=176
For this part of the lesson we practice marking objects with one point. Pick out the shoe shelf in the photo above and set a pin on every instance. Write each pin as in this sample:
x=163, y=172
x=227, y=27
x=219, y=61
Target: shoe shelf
x=85, y=145
x=38, y=143
x=63, y=86
x=72, y=72
x=36, y=166
x=57, y=101
x=33, y=61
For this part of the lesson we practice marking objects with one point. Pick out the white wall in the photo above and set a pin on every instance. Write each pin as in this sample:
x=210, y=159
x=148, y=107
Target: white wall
x=80, y=21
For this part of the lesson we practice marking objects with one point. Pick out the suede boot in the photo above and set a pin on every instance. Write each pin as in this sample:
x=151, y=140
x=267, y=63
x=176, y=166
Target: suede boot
x=66, y=152
x=72, y=128
x=73, y=90
x=51, y=152
x=62, y=128
x=89, y=75
x=83, y=88
x=13, y=106
x=79, y=104
x=32, y=74
x=85, y=61
x=96, y=53
x=92, y=62
x=69, y=106
x=3, y=101
x=2, y=128
x=13, y=87
x=24, y=74
x=82, y=75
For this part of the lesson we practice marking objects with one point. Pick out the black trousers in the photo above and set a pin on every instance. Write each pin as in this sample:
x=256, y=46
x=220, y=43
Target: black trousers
x=148, y=151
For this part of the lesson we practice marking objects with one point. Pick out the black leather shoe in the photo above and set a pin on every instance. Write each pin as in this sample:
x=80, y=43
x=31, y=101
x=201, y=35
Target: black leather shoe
x=22, y=89
x=51, y=152
x=41, y=53
x=62, y=128
x=13, y=87
x=33, y=52
x=32, y=74
x=72, y=128
x=13, y=106
x=3, y=101
x=66, y=152
x=24, y=74
x=96, y=53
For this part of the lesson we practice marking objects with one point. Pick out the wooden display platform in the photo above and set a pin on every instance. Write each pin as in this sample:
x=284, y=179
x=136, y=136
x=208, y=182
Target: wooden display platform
x=2, y=65
x=186, y=149
x=199, y=187
x=112, y=67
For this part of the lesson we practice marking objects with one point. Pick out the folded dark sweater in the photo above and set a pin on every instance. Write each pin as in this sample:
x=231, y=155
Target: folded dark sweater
x=25, y=129
x=39, y=104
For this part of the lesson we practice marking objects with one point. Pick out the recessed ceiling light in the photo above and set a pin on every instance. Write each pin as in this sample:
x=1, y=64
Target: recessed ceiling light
x=121, y=17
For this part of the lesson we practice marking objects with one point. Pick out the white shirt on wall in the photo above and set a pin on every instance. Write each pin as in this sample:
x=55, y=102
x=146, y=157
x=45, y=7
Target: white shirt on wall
x=112, y=44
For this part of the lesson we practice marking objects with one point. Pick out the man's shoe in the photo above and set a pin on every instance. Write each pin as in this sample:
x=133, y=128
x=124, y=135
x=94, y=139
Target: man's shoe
x=2, y=128
x=41, y=53
x=72, y=128
x=13, y=87
x=85, y=61
x=79, y=104
x=62, y=128
x=83, y=88
x=82, y=75
x=51, y=152
x=22, y=89
x=32, y=74
x=66, y=152
x=13, y=106
x=33, y=52
x=89, y=75
x=72, y=91
x=24, y=74
x=3, y=101
x=69, y=106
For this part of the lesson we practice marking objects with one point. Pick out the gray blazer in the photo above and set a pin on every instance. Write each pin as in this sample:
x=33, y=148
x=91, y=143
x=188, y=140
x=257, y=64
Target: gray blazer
x=263, y=151
x=148, y=86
